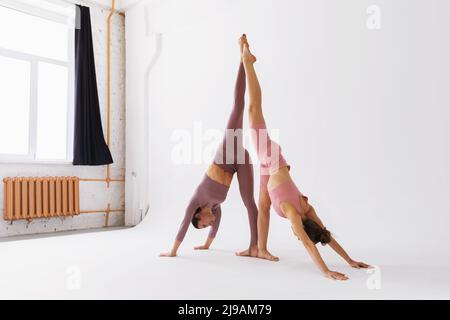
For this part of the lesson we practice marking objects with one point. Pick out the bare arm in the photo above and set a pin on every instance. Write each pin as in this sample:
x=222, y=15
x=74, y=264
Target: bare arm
x=311, y=214
x=207, y=244
x=297, y=226
x=334, y=244
x=173, y=252
x=340, y=251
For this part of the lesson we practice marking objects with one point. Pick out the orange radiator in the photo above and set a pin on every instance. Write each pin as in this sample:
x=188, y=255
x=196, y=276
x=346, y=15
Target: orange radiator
x=34, y=197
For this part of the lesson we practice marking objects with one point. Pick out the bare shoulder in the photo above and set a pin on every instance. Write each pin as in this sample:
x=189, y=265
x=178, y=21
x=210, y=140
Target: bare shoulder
x=304, y=205
x=289, y=211
x=312, y=214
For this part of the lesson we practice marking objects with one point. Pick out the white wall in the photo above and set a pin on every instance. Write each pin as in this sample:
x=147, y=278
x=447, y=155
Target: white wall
x=93, y=195
x=363, y=114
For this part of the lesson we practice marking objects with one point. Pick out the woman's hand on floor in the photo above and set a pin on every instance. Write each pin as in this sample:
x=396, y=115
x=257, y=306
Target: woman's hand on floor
x=359, y=265
x=205, y=246
x=335, y=275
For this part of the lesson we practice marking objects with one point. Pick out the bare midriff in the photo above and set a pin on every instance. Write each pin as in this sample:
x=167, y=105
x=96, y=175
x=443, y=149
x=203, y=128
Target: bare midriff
x=219, y=175
x=278, y=177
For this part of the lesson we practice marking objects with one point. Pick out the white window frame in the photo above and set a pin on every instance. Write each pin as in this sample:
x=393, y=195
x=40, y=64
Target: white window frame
x=34, y=61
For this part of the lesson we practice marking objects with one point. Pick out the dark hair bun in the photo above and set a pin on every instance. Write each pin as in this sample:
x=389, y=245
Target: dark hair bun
x=325, y=237
x=316, y=233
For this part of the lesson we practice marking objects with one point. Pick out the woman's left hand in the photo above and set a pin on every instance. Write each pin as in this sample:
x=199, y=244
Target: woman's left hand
x=359, y=265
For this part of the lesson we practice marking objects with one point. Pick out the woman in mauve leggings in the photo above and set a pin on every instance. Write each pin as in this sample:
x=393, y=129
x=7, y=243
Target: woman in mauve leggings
x=231, y=157
x=279, y=190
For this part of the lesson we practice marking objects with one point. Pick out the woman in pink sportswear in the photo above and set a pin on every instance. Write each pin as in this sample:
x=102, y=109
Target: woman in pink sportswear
x=279, y=190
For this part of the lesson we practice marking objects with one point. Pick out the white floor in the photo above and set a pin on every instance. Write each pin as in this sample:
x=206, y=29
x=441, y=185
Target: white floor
x=124, y=264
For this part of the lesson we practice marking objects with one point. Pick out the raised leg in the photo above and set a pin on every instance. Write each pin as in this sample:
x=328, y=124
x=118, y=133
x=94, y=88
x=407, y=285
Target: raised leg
x=255, y=102
x=256, y=119
x=235, y=120
x=232, y=148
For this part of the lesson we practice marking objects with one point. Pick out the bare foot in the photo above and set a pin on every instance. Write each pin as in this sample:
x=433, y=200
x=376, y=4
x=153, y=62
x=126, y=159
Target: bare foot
x=247, y=56
x=264, y=254
x=250, y=252
x=242, y=41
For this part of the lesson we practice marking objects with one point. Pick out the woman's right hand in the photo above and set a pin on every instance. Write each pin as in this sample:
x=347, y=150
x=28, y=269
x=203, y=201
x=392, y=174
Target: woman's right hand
x=335, y=275
x=168, y=254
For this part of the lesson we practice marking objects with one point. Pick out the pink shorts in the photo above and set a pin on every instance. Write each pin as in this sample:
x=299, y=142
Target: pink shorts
x=269, y=152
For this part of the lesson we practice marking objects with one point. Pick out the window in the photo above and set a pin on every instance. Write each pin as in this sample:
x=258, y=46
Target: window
x=36, y=81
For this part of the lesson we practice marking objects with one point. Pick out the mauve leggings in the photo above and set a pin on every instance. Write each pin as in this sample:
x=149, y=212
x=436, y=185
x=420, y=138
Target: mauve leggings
x=240, y=159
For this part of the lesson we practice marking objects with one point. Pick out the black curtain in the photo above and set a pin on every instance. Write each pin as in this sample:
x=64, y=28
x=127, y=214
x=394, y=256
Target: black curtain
x=90, y=148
